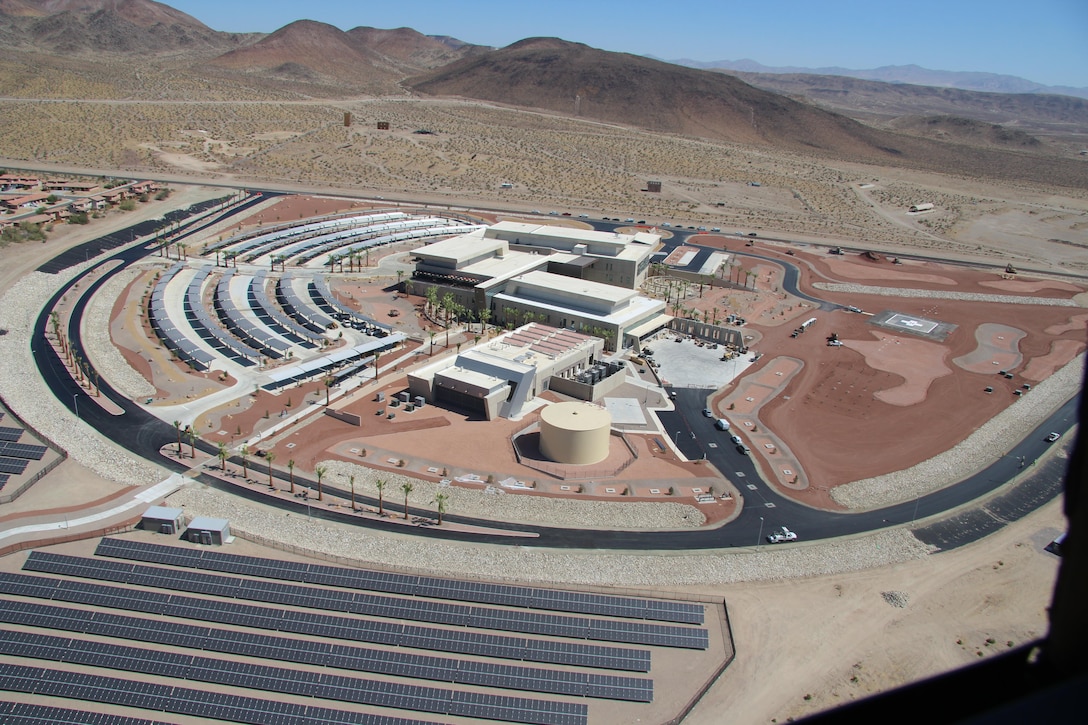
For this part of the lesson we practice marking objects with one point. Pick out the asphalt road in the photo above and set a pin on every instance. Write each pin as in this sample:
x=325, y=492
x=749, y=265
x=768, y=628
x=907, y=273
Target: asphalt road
x=764, y=510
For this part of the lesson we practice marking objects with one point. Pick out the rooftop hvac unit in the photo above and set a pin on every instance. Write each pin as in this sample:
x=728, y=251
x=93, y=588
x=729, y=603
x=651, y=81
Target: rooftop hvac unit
x=166, y=529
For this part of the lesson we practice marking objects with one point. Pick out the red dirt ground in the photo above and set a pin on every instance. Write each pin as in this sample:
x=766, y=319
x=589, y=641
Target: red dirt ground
x=881, y=402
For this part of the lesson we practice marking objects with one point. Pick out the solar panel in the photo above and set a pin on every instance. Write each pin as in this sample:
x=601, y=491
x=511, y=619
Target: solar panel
x=464, y=642
x=22, y=450
x=13, y=465
x=285, y=680
x=21, y=713
x=553, y=625
x=458, y=590
x=10, y=435
x=179, y=700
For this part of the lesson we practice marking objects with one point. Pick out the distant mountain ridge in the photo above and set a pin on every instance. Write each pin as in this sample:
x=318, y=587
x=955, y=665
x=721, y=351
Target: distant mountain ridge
x=912, y=74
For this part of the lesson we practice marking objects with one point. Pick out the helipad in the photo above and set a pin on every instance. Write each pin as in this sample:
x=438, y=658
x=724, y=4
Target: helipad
x=902, y=322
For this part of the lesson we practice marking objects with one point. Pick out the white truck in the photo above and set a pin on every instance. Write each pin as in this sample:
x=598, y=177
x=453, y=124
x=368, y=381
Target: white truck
x=782, y=535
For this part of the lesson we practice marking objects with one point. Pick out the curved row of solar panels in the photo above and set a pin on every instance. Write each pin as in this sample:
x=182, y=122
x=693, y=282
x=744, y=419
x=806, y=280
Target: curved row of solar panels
x=274, y=239
x=241, y=327
x=344, y=243
x=209, y=329
x=175, y=341
x=270, y=315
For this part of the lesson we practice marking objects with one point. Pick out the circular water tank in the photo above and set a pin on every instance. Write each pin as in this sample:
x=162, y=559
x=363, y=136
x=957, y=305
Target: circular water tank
x=575, y=433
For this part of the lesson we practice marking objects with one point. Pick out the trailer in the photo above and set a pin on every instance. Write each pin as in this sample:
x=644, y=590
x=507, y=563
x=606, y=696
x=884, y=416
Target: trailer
x=914, y=208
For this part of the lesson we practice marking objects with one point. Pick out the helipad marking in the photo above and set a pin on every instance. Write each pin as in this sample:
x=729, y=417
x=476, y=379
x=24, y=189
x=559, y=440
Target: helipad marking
x=915, y=324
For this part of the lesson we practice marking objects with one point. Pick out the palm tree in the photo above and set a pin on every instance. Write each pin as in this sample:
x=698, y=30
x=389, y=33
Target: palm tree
x=270, y=456
x=320, y=471
x=190, y=433
x=245, y=452
x=485, y=316
x=291, y=471
x=407, y=487
x=432, y=341
x=380, y=485
x=377, y=354
x=177, y=426
x=223, y=456
x=329, y=380
x=351, y=480
x=440, y=500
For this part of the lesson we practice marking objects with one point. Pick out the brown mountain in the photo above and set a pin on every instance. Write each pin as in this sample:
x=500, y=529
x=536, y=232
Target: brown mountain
x=966, y=131
x=411, y=51
x=575, y=79
x=876, y=100
x=77, y=27
x=314, y=52
x=571, y=78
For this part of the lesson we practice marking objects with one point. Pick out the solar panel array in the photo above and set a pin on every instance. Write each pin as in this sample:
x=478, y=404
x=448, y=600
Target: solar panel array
x=274, y=240
x=402, y=231
x=241, y=326
x=176, y=341
x=316, y=246
x=10, y=435
x=323, y=297
x=22, y=450
x=332, y=239
x=330, y=626
x=342, y=656
x=209, y=328
x=287, y=680
x=295, y=306
x=271, y=315
x=178, y=700
x=408, y=584
x=22, y=713
x=336, y=360
x=4, y=477
x=373, y=605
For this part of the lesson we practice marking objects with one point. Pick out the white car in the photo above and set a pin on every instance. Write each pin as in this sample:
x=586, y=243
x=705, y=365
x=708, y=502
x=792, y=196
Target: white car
x=708, y=413
x=1053, y=437
x=782, y=535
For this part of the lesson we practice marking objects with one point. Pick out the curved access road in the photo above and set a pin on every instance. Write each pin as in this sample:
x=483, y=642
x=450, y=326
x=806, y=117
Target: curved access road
x=765, y=509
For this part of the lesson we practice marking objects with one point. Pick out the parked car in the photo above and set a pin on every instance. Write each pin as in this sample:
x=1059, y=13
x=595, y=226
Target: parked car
x=1053, y=437
x=735, y=439
x=708, y=413
x=743, y=449
x=783, y=534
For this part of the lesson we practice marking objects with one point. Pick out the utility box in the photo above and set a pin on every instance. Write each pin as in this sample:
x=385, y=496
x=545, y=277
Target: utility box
x=162, y=520
x=208, y=531
x=653, y=187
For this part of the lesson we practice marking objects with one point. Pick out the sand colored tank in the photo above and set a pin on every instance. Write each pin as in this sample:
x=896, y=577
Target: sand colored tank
x=575, y=433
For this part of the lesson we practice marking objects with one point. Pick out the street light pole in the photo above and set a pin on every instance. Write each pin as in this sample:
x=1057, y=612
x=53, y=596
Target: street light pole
x=759, y=540
x=75, y=403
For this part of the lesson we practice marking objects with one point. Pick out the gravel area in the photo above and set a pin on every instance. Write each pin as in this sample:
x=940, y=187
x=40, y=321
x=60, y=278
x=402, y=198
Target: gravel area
x=106, y=358
x=985, y=445
x=26, y=393
x=944, y=295
x=546, y=566
x=523, y=508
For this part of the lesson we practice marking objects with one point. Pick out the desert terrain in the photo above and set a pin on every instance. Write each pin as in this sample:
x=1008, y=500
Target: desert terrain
x=804, y=643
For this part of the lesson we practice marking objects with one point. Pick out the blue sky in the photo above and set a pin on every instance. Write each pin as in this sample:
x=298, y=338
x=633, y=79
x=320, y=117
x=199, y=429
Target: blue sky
x=1042, y=40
